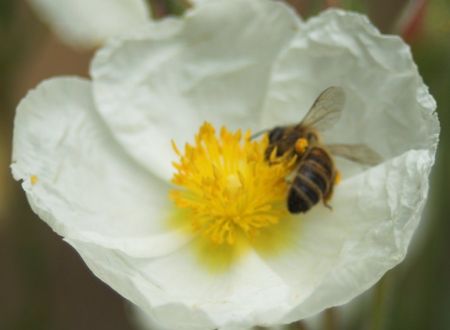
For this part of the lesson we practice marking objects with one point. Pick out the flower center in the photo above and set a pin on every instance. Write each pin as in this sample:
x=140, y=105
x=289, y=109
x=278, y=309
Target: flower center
x=227, y=186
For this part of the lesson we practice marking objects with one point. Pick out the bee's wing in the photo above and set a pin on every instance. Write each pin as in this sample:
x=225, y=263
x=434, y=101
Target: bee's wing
x=359, y=153
x=326, y=110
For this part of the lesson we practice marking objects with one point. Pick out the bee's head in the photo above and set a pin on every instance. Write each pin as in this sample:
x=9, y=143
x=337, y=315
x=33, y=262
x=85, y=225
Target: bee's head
x=276, y=134
x=280, y=138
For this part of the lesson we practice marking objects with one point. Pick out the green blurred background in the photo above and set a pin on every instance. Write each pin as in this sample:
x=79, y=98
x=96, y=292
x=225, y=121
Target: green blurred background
x=44, y=285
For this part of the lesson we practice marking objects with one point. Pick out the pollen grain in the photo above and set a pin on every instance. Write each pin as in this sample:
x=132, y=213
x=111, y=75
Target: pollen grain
x=33, y=179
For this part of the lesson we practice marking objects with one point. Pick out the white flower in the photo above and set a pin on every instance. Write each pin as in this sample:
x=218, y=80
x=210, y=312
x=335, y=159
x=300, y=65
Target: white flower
x=89, y=23
x=95, y=158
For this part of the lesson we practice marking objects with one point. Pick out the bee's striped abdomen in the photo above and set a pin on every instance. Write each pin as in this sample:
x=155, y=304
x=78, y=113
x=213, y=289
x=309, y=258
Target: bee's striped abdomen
x=320, y=157
x=313, y=181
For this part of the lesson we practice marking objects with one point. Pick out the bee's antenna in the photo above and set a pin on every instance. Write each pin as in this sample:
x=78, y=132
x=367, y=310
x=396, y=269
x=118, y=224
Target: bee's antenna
x=258, y=134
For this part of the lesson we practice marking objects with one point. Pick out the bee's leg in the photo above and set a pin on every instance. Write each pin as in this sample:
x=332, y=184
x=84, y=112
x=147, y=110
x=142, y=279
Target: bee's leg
x=274, y=161
x=328, y=206
x=336, y=179
x=326, y=198
x=271, y=156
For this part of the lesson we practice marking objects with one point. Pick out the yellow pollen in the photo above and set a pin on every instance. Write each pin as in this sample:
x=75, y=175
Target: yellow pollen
x=337, y=177
x=228, y=187
x=301, y=145
x=33, y=179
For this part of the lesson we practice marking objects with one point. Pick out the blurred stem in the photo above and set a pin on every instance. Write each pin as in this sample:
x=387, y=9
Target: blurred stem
x=331, y=319
x=410, y=20
x=178, y=7
x=162, y=8
x=378, y=305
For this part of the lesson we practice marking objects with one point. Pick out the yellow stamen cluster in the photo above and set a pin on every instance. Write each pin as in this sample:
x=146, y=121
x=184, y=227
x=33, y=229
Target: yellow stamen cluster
x=227, y=186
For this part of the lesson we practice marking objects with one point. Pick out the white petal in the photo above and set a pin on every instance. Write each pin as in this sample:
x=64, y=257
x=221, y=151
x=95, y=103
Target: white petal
x=181, y=294
x=214, y=65
x=88, y=23
x=335, y=256
x=142, y=320
x=85, y=187
x=388, y=107
x=333, y=259
x=366, y=234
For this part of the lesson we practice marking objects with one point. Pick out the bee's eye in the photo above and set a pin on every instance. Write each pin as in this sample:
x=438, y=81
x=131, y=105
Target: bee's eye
x=275, y=134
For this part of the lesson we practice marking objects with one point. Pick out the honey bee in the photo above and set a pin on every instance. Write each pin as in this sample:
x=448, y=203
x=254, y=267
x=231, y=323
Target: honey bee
x=316, y=173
